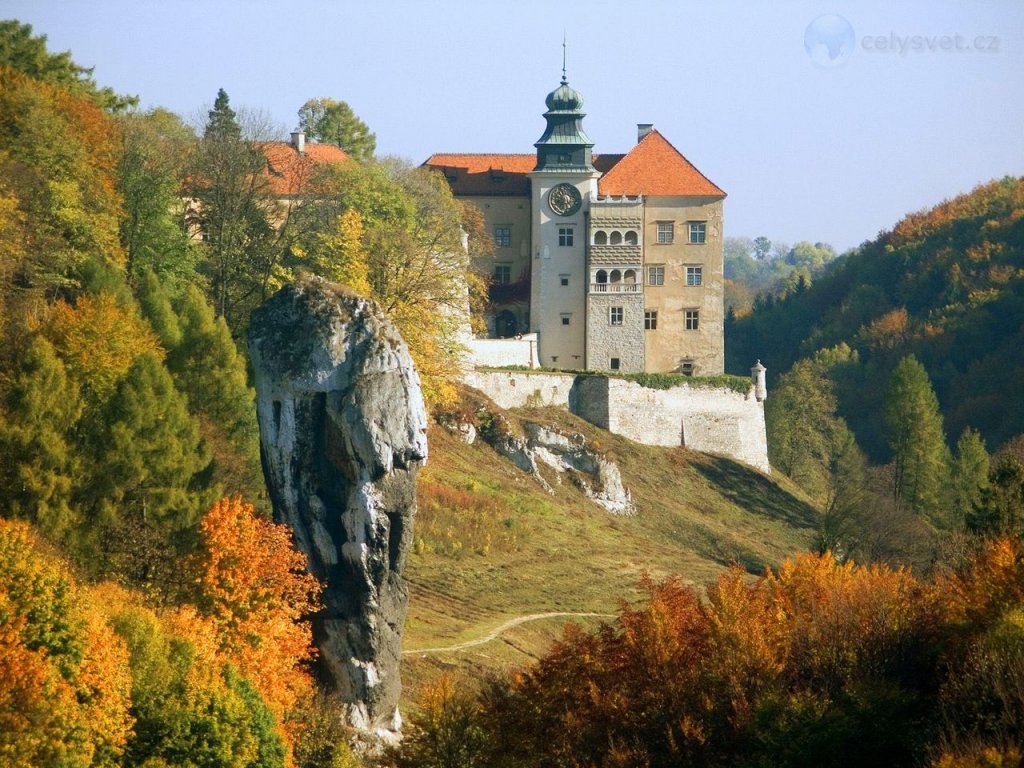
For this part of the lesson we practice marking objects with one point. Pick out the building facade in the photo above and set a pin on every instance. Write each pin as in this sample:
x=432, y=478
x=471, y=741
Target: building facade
x=614, y=261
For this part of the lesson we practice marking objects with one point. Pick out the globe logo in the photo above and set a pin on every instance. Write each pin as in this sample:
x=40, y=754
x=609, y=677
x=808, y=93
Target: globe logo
x=829, y=41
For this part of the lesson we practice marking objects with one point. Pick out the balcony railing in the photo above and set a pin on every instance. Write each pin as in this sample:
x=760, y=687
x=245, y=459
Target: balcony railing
x=616, y=288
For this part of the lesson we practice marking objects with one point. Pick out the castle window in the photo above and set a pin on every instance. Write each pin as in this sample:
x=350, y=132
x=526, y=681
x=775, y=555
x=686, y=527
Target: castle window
x=666, y=232
x=563, y=279
x=613, y=363
x=651, y=320
x=686, y=367
x=566, y=318
x=629, y=276
x=656, y=274
x=616, y=276
x=631, y=238
x=565, y=236
x=616, y=239
x=615, y=315
x=502, y=274
x=692, y=317
x=600, y=237
x=698, y=232
x=503, y=237
x=602, y=276
x=694, y=275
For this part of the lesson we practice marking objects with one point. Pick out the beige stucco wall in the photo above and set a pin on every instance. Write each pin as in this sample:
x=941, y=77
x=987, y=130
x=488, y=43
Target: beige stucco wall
x=671, y=343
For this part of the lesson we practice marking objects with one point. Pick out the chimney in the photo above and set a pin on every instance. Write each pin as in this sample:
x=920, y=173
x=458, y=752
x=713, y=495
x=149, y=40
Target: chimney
x=299, y=141
x=642, y=130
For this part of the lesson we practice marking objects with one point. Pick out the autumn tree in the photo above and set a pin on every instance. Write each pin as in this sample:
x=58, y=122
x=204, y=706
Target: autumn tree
x=417, y=261
x=56, y=156
x=253, y=585
x=191, y=706
x=28, y=54
x=65, y=697
x=334, y=122
x=921, y=459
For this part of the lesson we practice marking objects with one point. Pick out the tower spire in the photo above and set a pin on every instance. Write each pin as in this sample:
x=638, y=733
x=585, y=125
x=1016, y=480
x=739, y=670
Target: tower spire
x=565, y=80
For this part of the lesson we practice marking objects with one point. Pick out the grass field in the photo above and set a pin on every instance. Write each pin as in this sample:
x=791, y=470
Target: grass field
x=491, y=545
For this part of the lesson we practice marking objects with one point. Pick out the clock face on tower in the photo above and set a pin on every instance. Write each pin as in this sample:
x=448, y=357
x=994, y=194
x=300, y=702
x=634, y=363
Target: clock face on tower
x=564, y=200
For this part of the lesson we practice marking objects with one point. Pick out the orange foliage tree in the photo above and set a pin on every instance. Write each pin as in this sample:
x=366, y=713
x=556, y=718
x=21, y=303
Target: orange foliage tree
x=66, y=685
x=253, y=586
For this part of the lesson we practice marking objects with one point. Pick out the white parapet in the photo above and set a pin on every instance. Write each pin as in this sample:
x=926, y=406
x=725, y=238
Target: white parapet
x=502, y=353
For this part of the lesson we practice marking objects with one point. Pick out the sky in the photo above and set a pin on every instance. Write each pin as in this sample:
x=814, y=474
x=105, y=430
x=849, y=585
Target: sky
x=823, y=121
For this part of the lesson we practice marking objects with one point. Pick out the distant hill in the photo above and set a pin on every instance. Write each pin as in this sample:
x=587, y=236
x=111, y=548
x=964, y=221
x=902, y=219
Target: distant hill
x=946, y=284
x=492, y=546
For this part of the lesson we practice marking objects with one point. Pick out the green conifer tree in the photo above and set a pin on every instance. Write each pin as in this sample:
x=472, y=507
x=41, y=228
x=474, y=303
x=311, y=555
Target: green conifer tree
x=156, y=308
x=148, y=453
x=39, y=464
x=970, y=472
x=921, y=458
x=210, y=371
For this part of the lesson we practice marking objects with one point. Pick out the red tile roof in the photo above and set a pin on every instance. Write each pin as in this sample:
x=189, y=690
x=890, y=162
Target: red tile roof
x=289, y=171
x=655, y=168
x=652, y=167
x=470, y=174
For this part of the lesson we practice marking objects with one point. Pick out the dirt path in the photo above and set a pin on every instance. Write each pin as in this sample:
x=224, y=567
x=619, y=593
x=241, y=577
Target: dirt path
x=511, y=623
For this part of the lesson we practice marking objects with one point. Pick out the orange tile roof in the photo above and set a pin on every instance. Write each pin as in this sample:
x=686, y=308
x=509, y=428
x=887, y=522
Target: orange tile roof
x=655, y=168
x=471, y=174
x=496, y=174
x=289, y=171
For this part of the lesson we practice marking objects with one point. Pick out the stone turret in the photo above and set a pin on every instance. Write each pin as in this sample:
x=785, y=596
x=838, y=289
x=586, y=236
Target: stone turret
x=342, y=436
x=758, y=381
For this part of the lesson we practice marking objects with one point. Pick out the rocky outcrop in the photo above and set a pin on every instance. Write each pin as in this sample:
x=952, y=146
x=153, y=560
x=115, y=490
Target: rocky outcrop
x=342, y=435
x=568, y=455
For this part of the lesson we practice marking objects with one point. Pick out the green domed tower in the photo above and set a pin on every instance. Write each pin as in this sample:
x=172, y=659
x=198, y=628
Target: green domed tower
x=564, y=146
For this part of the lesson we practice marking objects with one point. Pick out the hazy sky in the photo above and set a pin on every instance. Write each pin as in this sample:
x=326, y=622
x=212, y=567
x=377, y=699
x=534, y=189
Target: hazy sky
x=805, y=150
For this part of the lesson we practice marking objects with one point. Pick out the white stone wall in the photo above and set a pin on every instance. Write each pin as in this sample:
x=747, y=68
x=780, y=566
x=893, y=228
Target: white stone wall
x=710, y=420
x=499, y=353
x=522, y=389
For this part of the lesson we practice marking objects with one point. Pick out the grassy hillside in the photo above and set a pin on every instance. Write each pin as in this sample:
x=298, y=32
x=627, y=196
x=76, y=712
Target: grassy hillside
x=947, y=285
x=492, y=545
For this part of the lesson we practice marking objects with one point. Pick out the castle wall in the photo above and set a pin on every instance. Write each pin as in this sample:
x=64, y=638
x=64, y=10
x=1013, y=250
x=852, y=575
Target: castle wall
x=501, y=353
x=710, y=420
x=521, y=389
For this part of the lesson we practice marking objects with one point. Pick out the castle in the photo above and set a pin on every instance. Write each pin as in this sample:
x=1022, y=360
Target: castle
x=605, y=262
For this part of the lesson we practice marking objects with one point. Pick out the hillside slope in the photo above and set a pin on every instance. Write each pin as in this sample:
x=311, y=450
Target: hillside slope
x=493, y=546
x=947, y=285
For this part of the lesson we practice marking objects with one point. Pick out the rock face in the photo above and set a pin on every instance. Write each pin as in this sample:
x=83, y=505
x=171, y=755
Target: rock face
x=342, y=435
x=596, y=476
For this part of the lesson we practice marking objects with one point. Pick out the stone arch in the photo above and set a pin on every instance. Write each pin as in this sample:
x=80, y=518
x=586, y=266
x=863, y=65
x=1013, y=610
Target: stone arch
x=602, y=276
x=600, y=237
x=631, y=238
x=629, y=277
x=616, y=239
x=616, y=276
